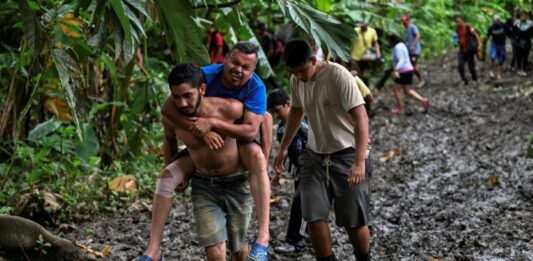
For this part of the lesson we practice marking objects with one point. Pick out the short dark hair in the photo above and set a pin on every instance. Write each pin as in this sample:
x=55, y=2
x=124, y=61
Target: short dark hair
x=394, y=39
x=297, y=53
x=245, y=47
x=186, y=73
x=277, y=97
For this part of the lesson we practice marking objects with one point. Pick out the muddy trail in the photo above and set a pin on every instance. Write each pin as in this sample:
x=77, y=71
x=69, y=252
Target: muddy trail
x=453, y=184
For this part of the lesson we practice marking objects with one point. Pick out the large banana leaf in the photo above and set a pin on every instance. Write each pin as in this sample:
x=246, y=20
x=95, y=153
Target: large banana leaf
x=183, y=34
x=329, y=33
x=33, y=30
x=128, y=45
x=377, y=15
x=68, y=70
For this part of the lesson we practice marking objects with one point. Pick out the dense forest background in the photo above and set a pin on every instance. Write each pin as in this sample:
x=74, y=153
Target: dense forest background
x=82, y=82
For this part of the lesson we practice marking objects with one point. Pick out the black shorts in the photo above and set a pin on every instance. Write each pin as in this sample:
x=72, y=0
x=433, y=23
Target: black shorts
x=406, y=78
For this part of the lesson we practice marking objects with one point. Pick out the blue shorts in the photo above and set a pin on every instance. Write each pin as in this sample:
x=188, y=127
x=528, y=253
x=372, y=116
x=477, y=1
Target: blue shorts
x=222, y=209
x=497, y=52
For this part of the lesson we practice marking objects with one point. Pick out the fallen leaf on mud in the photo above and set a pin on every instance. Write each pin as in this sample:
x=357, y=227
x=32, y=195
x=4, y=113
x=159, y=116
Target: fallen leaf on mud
x=140, y=206
x=123, y=183
x=275, y=200
x=106, y=250
x=50, y=202
x=494, y=180
x=67, y=227
x=436, y=259
x=391, y=154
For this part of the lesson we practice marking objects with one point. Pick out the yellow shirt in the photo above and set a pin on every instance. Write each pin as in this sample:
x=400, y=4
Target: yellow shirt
x=359, y=45
x=362, y=87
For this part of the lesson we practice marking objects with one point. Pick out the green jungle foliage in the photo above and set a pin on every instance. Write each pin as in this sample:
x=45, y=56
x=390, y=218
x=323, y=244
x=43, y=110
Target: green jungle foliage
x=82, y=81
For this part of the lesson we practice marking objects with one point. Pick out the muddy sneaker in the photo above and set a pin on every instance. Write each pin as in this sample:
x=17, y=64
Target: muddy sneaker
x=396, y=111
x=425, y=105
x=285, y=249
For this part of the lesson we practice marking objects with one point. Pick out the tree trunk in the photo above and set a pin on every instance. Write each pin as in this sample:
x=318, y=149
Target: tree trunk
x=23, y=239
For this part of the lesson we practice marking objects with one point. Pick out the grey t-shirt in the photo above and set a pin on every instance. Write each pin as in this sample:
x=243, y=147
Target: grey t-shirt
x=410, y=35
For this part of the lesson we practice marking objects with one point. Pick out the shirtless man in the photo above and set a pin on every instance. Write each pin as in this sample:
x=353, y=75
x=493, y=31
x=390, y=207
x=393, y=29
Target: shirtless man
x=218, y=174
x=233, y=79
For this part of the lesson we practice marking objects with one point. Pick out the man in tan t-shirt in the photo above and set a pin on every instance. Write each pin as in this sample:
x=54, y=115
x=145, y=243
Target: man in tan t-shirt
x=335, y=168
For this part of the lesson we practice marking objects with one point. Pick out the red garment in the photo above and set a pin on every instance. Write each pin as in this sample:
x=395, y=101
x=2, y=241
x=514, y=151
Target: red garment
x=218, y=44
x=463, y=37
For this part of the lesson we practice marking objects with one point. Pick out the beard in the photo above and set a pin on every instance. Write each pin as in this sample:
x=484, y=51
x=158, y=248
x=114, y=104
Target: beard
x=193, y=111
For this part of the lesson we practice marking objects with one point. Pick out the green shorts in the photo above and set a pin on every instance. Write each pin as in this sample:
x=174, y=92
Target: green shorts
x=222, y=210
x=324, y=182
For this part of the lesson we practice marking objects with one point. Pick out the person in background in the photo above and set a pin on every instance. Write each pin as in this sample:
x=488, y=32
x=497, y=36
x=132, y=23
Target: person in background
x=403, y=75
x=498, y=32
x=523, y=29
x=469, y=43
x=216, y=46
x=272, y=47
x=412, y=38
x=512, y=35
x=365, y=50
x=279, y=104
x=365, y=92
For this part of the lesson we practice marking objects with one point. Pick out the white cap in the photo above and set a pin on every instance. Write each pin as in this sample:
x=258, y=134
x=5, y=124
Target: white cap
x=497, y=17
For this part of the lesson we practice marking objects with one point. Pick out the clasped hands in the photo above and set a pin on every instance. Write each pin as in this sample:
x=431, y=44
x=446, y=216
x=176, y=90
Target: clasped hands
x=201, y=128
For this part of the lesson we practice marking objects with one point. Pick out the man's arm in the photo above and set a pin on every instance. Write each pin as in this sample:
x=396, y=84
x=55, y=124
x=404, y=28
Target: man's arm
x=296, y=116
x=415, y=41
x=360, y=119
x=170, y=143
x=376, y=45
x=246, y=131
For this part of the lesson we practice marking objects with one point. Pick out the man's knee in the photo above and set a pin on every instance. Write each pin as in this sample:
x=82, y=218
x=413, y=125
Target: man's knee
x=168, y=180
x=251, y=150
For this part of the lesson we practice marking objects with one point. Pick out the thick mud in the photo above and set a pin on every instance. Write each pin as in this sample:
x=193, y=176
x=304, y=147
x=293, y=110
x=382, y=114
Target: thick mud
x=458, y=185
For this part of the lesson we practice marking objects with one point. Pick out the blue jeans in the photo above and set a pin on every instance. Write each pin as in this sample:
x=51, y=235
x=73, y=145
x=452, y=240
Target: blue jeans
x=497, y=52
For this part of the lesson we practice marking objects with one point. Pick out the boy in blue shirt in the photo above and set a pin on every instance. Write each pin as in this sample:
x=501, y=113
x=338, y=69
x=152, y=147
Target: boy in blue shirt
x=278, y=103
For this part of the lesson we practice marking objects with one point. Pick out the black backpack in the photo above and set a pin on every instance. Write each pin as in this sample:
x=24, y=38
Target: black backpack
x=471, y=40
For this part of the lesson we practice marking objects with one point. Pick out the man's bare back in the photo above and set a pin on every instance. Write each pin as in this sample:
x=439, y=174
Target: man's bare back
x=221, y=162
